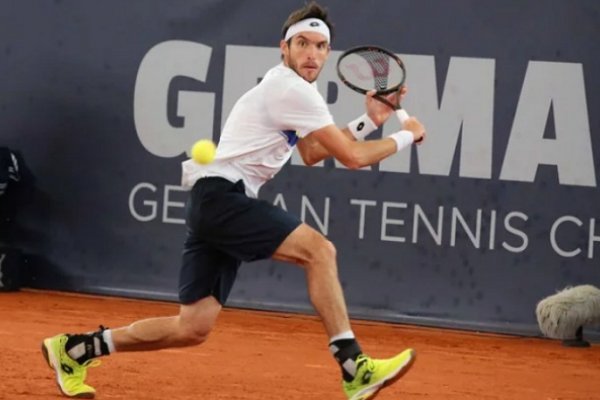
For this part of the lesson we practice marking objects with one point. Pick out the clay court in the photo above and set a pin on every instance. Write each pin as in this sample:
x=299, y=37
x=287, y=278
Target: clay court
x=260, y=355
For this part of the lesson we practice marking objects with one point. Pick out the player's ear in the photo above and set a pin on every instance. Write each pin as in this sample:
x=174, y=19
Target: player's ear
x=283, y=46
x=285, y=50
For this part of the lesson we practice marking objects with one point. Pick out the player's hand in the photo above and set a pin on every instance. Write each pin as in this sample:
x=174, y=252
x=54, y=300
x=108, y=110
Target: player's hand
x=417, y=128
x=380, y=112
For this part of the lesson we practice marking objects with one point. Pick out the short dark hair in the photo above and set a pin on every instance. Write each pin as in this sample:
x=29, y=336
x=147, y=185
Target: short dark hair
x=310, y=10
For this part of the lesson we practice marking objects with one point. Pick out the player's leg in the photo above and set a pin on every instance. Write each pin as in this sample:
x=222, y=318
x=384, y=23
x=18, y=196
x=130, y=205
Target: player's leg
x=71, y=354
x=205, y=281
x=191, y=327
x=206, y=278
x=203, y=290
x=362, y=375
x=317, y=255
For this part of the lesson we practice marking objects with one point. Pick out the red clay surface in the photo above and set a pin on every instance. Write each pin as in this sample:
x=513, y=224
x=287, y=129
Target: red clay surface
x=259, y=355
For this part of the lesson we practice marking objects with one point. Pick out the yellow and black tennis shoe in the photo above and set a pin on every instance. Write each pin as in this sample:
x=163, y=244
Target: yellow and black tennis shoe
x=70, y=375
x=372, y=375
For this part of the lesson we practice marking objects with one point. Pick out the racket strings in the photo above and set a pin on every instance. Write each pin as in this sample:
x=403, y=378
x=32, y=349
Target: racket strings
x=371, y=69
x=380, y=67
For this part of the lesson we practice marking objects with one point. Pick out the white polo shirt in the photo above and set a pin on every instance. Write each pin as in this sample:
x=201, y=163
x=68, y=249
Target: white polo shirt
x=262, y=129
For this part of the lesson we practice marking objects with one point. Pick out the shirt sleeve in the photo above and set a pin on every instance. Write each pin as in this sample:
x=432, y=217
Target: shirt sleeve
x=301, y=108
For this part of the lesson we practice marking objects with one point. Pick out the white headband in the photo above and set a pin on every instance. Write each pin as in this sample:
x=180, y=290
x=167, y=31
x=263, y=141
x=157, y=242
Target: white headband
x=308, y=25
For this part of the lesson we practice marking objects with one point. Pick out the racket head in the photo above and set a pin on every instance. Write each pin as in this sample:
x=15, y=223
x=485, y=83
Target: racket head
x=366, y=68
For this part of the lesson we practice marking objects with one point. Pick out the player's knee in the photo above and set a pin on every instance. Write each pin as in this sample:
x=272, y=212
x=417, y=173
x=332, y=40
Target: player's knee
x=196, y=320
x=194, y=335
x=323, y=253
x=329, y=250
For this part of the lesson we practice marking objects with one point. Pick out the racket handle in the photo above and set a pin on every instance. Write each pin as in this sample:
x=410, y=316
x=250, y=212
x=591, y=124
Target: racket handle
x=402, y=116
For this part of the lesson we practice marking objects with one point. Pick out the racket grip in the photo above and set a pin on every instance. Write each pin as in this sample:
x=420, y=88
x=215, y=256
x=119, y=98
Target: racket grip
x=402, y=116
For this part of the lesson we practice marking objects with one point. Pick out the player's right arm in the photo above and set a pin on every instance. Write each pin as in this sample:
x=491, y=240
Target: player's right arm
x=300, y=107
x=332, y=141
x=312, y=151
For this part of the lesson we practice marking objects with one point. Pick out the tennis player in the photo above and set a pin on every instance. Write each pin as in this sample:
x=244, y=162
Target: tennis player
x=227, y=224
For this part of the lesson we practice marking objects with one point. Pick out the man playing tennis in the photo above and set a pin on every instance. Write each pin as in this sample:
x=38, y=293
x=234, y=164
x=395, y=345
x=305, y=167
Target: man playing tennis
x=227, y=224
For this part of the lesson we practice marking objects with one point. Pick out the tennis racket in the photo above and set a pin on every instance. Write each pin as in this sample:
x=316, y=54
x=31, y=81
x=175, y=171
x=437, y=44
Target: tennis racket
x=367, y=68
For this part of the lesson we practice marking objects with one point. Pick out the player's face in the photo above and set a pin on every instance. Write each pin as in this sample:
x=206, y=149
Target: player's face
x=306, y=54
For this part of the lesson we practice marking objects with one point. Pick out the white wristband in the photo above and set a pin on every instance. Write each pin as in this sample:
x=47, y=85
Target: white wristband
x=361, y=127
x=403, y=139
x=402, y=116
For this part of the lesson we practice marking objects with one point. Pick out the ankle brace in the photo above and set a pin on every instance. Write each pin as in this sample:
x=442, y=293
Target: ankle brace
x=84, y=347
x=345, y=351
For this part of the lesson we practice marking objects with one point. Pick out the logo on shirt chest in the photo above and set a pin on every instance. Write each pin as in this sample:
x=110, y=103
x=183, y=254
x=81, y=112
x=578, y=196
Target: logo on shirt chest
x=290, y=136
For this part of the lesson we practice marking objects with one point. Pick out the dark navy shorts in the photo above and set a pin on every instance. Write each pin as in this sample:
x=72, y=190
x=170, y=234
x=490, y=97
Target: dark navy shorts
x=224, y=228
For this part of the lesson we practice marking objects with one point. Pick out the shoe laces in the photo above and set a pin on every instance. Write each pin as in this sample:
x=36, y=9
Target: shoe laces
x=92, y=363
x=364, y=363
x=81, y=371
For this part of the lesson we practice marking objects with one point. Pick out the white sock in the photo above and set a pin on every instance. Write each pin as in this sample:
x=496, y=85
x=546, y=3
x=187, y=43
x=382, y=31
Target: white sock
x=107, y=337
x=343, y=335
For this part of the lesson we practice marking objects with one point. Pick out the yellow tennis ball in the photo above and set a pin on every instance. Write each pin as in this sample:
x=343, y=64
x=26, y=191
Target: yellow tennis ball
x=203, y=151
